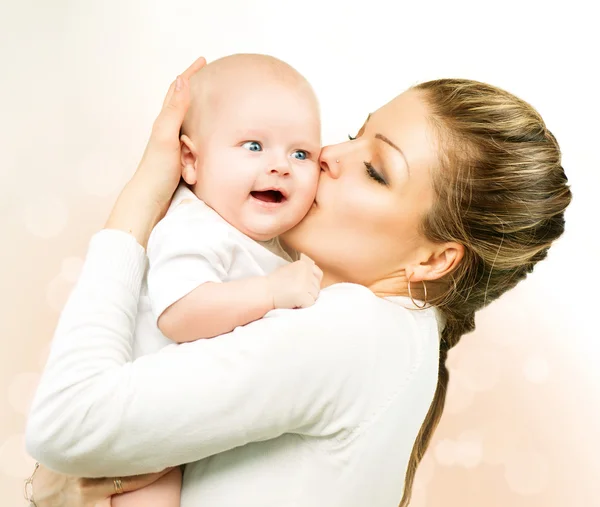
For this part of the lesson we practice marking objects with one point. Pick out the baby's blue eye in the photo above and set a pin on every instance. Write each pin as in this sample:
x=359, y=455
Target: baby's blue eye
x=302, y=155
x=252, y=146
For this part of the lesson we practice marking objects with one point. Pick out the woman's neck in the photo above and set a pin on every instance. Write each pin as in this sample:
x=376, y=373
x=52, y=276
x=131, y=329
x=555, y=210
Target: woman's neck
x=388, y=287
x=329, y=279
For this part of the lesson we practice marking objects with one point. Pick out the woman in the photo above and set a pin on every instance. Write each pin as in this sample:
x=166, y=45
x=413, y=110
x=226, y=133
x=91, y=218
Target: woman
x=447, y=197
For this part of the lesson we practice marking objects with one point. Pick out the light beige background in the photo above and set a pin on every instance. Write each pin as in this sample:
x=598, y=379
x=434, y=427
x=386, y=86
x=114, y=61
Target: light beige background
x=80, y=83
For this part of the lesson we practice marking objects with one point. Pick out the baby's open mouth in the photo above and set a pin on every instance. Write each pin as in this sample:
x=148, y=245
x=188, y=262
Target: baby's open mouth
x=268, y=195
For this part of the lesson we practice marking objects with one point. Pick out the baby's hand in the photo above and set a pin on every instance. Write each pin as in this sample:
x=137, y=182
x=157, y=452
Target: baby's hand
x=296, y=285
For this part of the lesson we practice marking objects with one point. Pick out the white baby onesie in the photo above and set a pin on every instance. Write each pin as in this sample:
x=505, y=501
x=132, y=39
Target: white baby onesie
x=190, y=246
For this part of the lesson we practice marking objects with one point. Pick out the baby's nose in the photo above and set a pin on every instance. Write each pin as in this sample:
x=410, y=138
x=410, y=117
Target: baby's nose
x=280, y=169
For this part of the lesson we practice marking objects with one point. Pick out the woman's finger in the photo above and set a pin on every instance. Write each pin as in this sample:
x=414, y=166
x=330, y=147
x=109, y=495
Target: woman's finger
x=170, y=93
x=107, y=487
x=168, y=124
x=136, y=482
x=187, y=74
x=193, y=68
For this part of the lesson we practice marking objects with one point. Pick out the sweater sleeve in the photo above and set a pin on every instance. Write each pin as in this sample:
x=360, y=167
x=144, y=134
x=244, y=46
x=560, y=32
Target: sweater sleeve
x=96, y=413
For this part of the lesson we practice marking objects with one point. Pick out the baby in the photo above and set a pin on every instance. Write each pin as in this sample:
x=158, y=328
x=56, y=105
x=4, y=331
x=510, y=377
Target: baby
x=250, y=145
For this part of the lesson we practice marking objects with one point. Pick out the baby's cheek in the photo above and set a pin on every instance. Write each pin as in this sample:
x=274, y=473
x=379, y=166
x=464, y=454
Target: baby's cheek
x=309, y=187
x=313, y=177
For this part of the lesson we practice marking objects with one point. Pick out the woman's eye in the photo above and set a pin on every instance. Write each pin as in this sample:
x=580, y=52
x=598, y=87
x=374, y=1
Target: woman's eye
x=252, y=146
x=300, y=154
x=351, y=138
x=374, y=174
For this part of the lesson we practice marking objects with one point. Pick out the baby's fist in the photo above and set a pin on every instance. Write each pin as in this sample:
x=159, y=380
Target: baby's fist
x=295, y=285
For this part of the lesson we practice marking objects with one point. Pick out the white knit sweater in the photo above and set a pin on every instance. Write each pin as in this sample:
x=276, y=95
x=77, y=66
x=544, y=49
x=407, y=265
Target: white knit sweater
x=313, y=407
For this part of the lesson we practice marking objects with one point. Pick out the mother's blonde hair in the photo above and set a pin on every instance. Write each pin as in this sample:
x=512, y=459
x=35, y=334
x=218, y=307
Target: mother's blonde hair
x=501, y=193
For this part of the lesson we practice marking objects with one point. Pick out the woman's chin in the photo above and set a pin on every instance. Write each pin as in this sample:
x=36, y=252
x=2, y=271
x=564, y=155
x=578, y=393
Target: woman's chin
x=313, y=207
x=290, y=237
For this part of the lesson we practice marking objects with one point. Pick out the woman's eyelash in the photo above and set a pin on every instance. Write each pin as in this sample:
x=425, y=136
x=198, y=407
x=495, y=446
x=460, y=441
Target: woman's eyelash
x=371, y=170
x=374, y=174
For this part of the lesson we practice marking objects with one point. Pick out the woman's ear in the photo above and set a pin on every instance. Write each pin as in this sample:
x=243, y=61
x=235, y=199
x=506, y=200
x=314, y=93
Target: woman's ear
x=441, y=260
x=189, y=159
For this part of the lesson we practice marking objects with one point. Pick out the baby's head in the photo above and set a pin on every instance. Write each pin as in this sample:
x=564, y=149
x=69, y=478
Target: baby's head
x=251, y=142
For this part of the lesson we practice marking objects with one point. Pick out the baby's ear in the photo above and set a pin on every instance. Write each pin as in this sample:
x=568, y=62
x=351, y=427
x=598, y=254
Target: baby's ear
x=189, y=158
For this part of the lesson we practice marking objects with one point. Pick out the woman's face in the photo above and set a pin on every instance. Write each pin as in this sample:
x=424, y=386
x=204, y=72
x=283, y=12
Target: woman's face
x=373, y=193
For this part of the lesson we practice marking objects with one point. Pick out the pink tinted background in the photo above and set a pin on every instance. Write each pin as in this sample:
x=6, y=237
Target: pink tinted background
x=80, y=85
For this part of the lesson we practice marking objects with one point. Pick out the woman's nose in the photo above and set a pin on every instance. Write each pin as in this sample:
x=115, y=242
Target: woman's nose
x=329, y=161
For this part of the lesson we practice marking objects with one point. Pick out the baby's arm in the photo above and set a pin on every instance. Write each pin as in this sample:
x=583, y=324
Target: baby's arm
x=217, y=308
x=189, y=255
x=166, y=492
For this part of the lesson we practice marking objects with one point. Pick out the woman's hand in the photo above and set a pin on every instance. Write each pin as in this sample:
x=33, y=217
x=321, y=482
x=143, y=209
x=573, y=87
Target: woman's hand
x=145, y=198
x=51, y=489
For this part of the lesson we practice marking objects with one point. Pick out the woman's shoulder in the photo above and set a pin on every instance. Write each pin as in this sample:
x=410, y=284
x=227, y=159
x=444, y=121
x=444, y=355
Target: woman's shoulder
x=352, y=301
x=346, y=315
x=362, y=349
x=357, y=302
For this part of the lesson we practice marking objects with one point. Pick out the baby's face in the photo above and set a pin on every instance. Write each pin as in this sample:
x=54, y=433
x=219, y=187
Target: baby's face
x=258, y=157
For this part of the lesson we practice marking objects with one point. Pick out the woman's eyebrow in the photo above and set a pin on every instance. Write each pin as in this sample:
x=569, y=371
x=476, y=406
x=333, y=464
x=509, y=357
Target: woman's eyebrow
x=381, y=137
